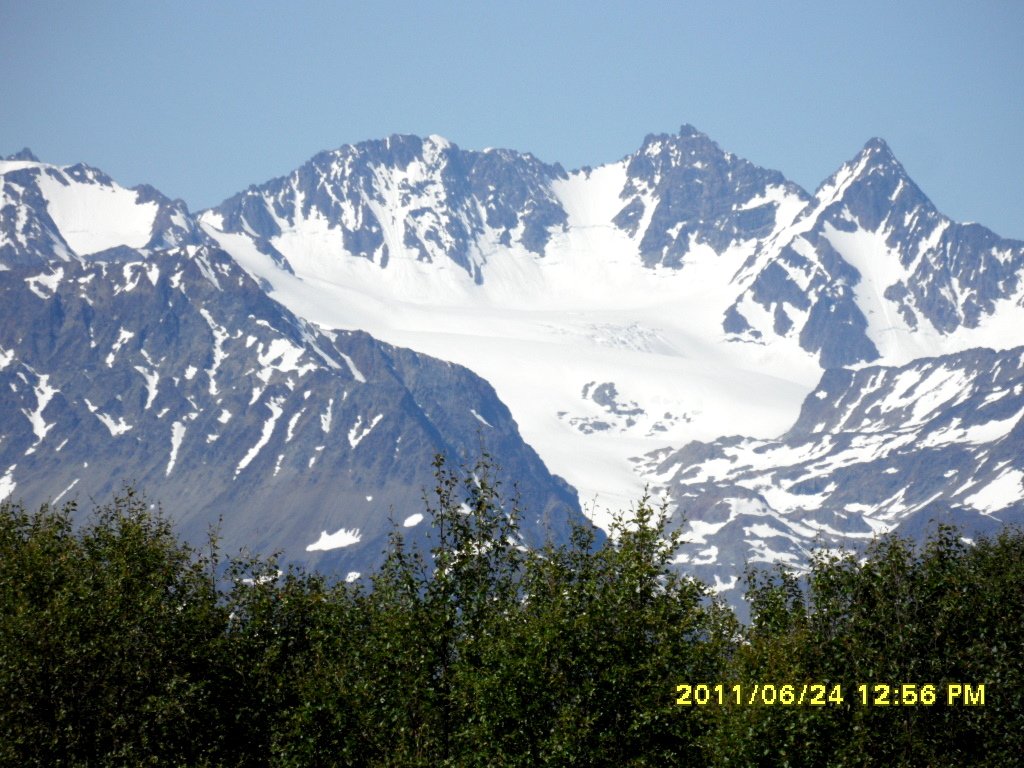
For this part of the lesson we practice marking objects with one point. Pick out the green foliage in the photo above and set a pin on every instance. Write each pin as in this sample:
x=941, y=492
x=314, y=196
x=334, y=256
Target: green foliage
x=121, y=646
x=938, y=614
x=103, y=637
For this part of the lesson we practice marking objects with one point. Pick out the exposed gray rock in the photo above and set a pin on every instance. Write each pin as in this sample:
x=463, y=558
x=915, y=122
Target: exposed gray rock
x=177, y=373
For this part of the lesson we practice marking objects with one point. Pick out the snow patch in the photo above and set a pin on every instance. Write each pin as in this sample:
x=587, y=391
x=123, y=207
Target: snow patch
x=63, y=493
x=290, y=433
x=356, y=373
x=268, y=429
x=93, y=217
x=343, y=537
x=220, y=335
x=45, y=285
x=1005, y=490
x=282, y=355
x=326, y=416
x=7, y=484
x=724, y=586
x=123, y=336
x=358, y=432
x=177, y=435
x=152, y=379
x=44, y=393
x=116, y=426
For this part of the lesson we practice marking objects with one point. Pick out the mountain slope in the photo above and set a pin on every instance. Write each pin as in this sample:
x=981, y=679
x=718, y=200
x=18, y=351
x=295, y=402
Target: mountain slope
x=681, y=318
x=169, y=367
x=604, y=301
x=403, y=197
x=871, y=271
x=679, y=294
x=67, y=213
x=875, y=449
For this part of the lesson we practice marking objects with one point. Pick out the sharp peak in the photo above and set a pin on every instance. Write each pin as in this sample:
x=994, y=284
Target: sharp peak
x=878, y=146
x=875, y=155
x=688, y=131
x=874, y=160
x=877, y=152
x=24, y=154
x=688, y=138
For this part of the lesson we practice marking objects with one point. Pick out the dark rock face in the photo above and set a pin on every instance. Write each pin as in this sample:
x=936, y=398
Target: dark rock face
x=697, y=192
x=133, y=348
x=177, y=372
x=28, y=236
x=948, y=275
x=442, y=200
x=873, y=449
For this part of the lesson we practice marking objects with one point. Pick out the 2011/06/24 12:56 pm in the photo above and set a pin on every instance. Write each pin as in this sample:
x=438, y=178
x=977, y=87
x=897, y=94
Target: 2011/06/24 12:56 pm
x=821, y=694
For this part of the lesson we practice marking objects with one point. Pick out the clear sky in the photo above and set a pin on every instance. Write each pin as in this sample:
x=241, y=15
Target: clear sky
x=201, y=99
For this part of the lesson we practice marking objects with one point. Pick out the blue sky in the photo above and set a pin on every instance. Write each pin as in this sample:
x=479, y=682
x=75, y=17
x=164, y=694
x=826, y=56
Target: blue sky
x=203, y=99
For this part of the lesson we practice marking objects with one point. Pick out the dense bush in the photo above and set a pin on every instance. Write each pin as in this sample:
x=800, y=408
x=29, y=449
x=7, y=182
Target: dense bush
x=943, y=613
x=109, y=638
x=121, y=646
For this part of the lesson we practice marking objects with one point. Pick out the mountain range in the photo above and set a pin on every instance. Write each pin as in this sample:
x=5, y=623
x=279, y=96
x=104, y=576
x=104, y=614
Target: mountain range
x=790, y=370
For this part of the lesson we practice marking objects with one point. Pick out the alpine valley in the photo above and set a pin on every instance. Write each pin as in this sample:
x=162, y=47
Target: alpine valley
x=790, y=370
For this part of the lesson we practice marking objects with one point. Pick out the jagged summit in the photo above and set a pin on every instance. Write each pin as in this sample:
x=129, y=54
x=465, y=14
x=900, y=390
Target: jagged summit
x=401, y=199
x=678, y=295
x=684, y=190
x=876, y=164
x=689, y=144
x=878, y=155
x=57, y=213
x=25, y=154
x=877, y=144
x=871, y=270
x=686, y=130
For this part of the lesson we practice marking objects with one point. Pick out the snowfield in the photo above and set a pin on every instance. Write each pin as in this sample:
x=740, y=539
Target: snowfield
x=548, y=332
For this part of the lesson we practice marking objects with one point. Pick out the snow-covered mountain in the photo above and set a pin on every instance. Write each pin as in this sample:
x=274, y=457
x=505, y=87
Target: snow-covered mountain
x=681, y=293
x=675, y=319
x=874, y=449
x=404, y=197
x=565, y=287
x=66, y=213
x=167, y=366
x=870, y=271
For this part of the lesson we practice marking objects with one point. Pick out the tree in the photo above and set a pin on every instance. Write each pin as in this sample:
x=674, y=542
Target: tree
x=937, y=614
x=104, y=638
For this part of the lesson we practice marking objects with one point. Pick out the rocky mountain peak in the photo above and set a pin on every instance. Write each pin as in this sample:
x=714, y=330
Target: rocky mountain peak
x=406, y=197
x=25, y=154
x=729, y=289
x=877, y=169
x=688, y=191
x=876, y=145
